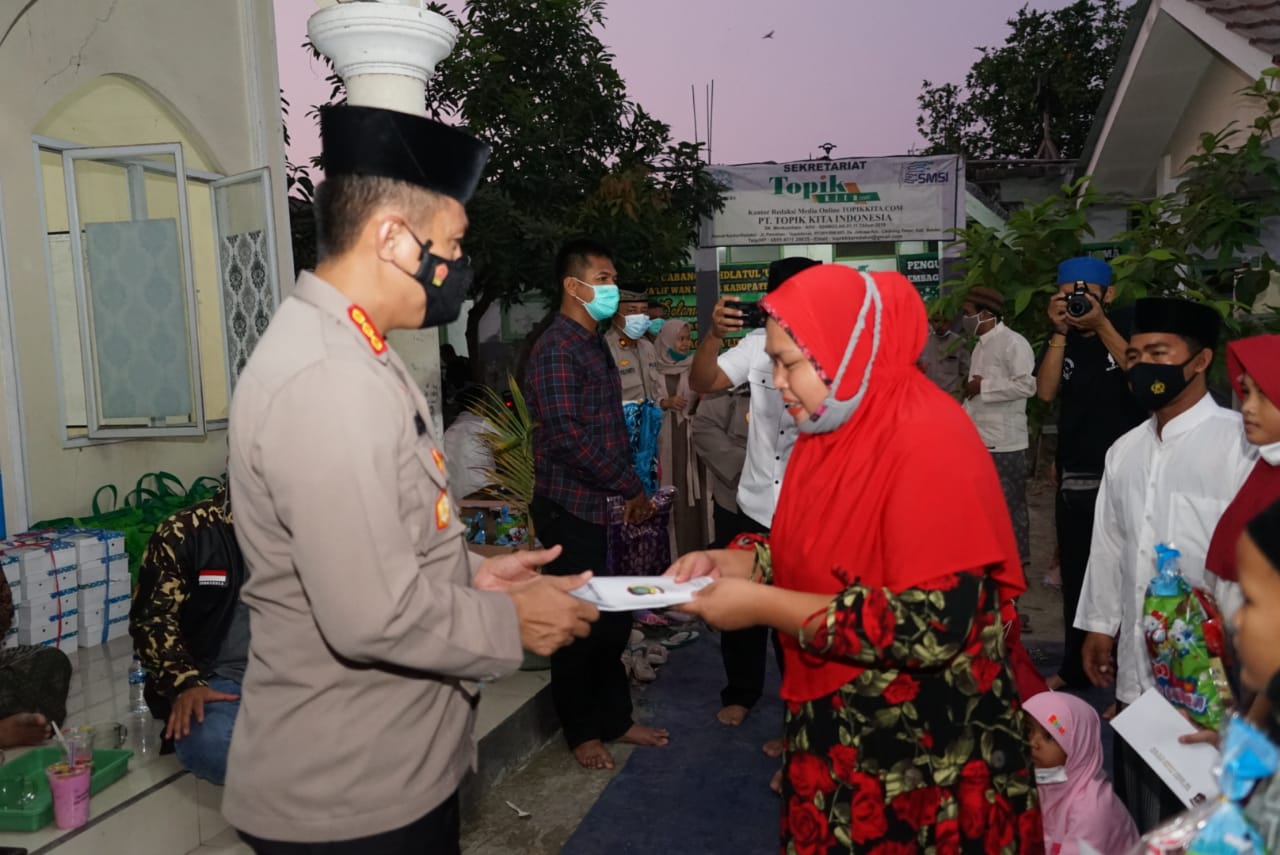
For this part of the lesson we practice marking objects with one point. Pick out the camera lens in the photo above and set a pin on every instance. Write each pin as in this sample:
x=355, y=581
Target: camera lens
x=1078, y=305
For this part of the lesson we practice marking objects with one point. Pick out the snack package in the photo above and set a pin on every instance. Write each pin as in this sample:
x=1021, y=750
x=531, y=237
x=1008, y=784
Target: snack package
x=1185, y=638
x=1220, y=827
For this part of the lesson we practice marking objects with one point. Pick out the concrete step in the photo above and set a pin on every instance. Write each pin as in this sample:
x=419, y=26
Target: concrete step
x=159, y=809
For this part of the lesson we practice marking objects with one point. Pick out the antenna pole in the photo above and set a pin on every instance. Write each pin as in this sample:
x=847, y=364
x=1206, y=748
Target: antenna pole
x=711, y=115
x=693, y=95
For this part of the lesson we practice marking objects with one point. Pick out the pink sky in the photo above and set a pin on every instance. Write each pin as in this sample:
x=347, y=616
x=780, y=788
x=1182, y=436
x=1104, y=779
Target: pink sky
x=841, y=71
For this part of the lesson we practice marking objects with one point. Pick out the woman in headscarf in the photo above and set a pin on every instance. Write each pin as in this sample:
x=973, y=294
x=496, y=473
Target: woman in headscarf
x=1076, y=799
x=674, y=346
x=903, y=727
x=1253, y=365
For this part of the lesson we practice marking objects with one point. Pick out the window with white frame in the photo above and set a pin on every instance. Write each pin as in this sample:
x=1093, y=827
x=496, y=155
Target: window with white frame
x=161, y=279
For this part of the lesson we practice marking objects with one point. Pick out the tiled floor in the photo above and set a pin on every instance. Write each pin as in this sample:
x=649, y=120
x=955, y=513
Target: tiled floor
x=100, y=682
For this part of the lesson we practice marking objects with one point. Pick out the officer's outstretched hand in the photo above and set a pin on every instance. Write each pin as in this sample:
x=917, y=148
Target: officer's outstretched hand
x=500, y=572
x=549, y=617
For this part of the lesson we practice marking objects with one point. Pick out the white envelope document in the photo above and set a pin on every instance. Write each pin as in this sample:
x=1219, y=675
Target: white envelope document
x=1152, y=726
x=630, y=593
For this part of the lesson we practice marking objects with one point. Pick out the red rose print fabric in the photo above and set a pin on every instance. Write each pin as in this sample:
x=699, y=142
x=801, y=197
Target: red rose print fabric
x=923, y=751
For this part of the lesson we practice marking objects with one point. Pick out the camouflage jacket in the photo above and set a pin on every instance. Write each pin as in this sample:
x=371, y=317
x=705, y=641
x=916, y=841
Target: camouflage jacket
x=188, y=587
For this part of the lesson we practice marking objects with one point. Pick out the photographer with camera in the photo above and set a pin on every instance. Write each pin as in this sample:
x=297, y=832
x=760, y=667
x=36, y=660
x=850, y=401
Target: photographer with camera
x=1083, y=363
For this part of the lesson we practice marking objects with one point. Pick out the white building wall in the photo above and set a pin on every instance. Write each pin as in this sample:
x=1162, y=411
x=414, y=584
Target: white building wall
x=214, y=65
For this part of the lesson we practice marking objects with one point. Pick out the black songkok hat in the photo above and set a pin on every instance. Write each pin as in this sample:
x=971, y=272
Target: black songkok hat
x=1264, y=531
x=1179, y=317
x=390, y=144
x=784, y=268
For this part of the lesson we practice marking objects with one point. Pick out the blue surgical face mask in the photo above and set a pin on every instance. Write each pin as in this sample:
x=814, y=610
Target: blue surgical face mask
x=655, y=325
x=604, y=304
x=677, y=355
x=635, y=326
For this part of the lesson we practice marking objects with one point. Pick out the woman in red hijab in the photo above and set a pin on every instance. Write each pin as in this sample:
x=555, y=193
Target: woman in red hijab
x=903, y=729
x=1253, y=364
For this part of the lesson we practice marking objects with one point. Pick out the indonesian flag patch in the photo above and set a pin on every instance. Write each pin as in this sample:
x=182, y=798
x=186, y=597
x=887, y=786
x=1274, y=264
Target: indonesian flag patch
x=217, y=578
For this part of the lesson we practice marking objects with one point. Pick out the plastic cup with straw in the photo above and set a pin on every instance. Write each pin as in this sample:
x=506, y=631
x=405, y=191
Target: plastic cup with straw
x=69, y=782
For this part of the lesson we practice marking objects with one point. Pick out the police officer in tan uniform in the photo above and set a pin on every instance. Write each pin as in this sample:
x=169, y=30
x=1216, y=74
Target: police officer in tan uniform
x=372, y=625
x=632, y=352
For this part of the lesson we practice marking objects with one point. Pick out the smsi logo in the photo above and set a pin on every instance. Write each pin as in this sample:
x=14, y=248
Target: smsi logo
x=920, y=172
x=827, y=191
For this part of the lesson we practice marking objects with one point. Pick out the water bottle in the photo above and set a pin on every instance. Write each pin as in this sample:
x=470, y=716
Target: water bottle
x=137, y=687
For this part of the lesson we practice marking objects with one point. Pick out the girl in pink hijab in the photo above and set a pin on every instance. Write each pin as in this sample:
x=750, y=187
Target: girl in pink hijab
x=1076, y=799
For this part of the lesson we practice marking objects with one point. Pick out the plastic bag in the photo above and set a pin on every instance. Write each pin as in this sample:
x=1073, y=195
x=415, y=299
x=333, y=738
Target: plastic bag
x=1184, y=634
x=1220, y=827
x=644, y=426
x=644, y=549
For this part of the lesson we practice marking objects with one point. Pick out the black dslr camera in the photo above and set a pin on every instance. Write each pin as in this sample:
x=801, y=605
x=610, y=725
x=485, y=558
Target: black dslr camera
x=1079, y=301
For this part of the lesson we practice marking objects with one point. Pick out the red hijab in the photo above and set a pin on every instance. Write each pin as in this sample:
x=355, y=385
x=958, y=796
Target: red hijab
x=1259, y=357
x=902, y=493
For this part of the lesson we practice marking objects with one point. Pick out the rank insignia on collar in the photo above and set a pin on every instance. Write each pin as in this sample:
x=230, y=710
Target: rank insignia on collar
x=443, y=512
x=438, y=457
x=358, y=317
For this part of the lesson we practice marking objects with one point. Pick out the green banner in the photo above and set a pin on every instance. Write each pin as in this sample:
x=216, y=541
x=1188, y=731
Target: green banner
x=924, y=272
x=678, y=291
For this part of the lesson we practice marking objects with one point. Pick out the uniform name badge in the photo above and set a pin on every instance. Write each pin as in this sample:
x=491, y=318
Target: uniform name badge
x=443, y=511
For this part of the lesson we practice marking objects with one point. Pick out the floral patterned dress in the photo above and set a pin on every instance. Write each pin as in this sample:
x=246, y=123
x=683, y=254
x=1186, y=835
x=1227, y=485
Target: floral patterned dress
x=924, y=751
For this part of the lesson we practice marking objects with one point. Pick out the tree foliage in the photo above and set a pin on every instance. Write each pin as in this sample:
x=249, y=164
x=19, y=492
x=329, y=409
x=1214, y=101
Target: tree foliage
x=1202, y=242
x=571, y=153
x=1058, y=61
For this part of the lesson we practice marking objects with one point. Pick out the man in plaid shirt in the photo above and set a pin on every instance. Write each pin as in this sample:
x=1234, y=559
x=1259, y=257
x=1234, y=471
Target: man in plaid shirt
x=581, y=457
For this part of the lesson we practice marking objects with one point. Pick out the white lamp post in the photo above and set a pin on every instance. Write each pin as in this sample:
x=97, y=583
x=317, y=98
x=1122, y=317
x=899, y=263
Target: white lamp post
x=385, y=51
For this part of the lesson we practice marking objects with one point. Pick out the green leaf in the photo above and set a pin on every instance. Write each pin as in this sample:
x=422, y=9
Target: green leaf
x=1023, y=299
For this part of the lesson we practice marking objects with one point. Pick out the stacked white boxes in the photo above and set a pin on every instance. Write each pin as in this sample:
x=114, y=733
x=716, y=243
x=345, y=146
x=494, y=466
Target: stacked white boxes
x=103, y=599
x=46, y=614
x=70, y=588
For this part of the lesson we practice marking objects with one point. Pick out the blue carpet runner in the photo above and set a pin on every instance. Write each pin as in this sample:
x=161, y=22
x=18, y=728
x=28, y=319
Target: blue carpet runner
x=706, y=792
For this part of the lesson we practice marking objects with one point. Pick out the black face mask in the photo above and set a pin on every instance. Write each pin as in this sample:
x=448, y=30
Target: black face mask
x=446, y=284
x=1156, y=386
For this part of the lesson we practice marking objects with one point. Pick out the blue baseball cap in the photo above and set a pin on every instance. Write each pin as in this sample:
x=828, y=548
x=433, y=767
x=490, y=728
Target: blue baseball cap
x=1086, y=268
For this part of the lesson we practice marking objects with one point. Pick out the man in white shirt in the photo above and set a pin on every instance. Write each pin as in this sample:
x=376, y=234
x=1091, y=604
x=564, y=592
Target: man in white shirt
x=771, y=434
x=466, y=454
x=1001, y=379
x=1166, y=481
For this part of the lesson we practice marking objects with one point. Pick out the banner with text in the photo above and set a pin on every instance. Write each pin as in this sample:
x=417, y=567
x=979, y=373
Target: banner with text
x=678, y=292
x=838, y=201
x=924, y=271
